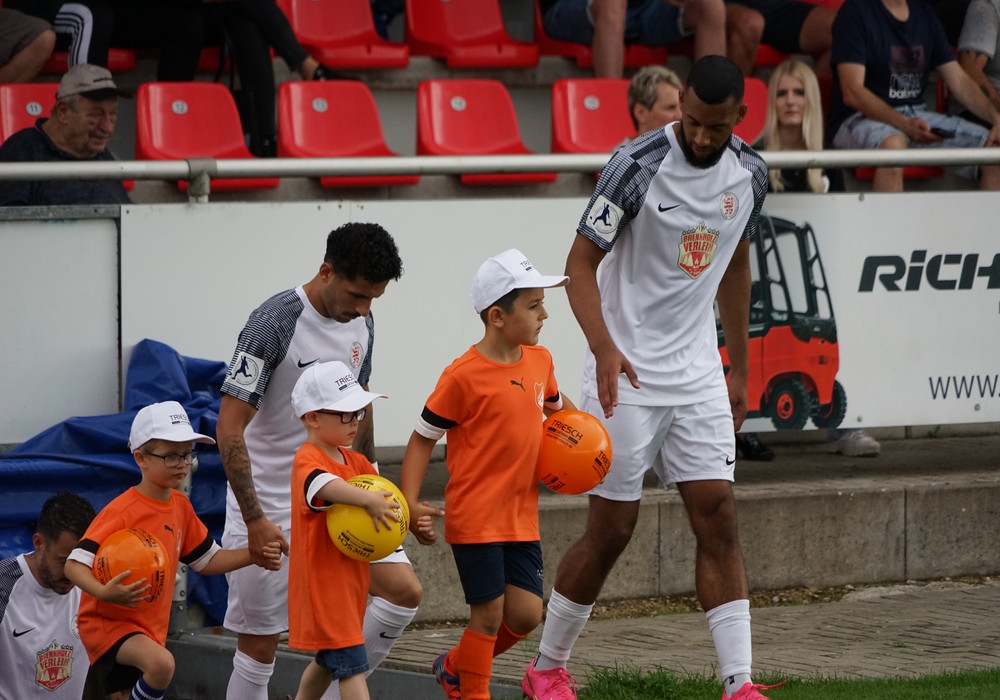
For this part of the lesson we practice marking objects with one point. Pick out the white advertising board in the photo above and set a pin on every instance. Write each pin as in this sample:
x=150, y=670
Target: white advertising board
x=914, y=283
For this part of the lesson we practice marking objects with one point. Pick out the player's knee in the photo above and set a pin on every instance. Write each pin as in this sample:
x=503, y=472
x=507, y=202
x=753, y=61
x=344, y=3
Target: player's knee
x=523, y=623
x=261, y=649
x=160, y=670
x=611, y=539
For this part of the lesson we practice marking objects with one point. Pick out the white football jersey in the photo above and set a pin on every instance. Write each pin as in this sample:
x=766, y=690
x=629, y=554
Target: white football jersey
x=282, y=337
x=670, y=230
x=41, y=655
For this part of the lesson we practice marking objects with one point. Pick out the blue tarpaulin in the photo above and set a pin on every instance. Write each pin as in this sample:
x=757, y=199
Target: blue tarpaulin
x=90, y=456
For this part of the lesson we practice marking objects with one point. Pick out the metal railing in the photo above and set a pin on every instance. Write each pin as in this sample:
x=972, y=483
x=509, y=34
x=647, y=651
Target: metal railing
x=199, y=172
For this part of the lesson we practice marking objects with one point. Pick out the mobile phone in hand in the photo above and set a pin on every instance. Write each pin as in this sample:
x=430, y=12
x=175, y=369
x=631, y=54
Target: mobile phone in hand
x=943, y=133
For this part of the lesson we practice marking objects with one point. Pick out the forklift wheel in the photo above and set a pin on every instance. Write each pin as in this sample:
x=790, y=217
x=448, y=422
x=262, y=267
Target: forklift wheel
x=831, y=415
x=790, y=405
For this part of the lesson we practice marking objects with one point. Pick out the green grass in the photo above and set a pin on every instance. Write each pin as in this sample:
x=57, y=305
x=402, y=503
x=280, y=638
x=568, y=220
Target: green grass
x=625, y=683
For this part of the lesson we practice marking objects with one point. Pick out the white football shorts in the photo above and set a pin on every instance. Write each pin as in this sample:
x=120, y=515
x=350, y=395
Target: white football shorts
x=679, y=443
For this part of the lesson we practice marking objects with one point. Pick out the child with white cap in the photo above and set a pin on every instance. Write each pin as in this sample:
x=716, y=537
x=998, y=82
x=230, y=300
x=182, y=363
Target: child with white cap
x=125, y=635
x=327, y=590
x=491, y=402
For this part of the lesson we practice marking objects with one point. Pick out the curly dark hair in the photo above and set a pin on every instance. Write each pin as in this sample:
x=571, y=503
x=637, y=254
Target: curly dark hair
x=716, y=79
x=363, y=250
x=64, y=512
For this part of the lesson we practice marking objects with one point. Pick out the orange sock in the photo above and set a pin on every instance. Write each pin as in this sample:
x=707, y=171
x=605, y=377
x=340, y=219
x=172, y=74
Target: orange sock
x=473, y=660
x=505, y=639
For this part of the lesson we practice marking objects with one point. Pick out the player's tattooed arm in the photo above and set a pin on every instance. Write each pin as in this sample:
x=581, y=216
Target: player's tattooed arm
x=236, y=464
x=234, y=416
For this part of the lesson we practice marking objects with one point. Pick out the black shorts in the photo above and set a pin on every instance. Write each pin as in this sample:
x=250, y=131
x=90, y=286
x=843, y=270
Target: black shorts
x=783, y=20
x=486, y=569
x=107, y=676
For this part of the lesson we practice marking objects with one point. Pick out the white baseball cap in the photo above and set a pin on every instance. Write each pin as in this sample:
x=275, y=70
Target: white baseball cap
x=163, y=421
x=329, y=386
x=506, y=272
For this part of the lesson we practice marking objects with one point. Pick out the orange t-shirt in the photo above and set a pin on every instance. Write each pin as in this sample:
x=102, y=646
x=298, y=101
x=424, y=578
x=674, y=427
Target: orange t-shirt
x=493, y=416
x=183, y=536
x=327, y=591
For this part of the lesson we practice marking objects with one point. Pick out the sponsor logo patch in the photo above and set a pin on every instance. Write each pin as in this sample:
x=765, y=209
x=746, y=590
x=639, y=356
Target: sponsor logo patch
x=697, y=248
x=604, y=217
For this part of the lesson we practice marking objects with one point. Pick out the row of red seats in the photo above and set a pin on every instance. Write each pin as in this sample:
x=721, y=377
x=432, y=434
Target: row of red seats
x=464, y=33
x=341, y=119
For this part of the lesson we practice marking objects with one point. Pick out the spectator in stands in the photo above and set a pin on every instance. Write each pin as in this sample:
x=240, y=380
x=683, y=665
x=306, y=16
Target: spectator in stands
x=26, y=43
x=883, y=52
x=795, y=123
x=89, y=28
x=979, y=48
x=654, y=98
x=608, y=24
x=252, y=28
x=790, y=26
x=79, y=129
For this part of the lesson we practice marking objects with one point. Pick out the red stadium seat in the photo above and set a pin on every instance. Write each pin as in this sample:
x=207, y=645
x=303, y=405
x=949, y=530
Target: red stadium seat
x=466, y=34
x=636, y=55
x=333, y=119
x=590, y=115
x=119, y=61
x=471, y=117
x=176, y=121
x=341, y=34
x=768, y=56
x=755, y=98
x=22, y=103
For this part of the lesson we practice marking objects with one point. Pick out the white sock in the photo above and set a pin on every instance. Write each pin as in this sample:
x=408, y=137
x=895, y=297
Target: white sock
x=564, y=621
x=384, y=624
x=729, y=625
x=249, y=678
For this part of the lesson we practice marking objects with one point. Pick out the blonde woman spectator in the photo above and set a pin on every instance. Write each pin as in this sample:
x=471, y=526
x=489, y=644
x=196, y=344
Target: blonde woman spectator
x=795, y=123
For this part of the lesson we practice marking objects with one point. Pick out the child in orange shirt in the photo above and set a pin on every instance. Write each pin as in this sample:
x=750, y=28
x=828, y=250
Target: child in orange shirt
x=327, y=590
x=124, y=639
x=504, y=385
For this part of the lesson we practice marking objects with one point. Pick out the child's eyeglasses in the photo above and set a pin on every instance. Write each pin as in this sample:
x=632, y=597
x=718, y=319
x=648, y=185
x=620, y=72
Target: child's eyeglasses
x=173, y=460
x=347, y=416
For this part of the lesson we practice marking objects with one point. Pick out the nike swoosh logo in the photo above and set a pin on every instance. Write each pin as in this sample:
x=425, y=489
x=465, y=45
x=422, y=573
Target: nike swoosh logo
x=306, y=364
x=22, y=632
x=661, y=208
x=383, y=635
x=730, y=462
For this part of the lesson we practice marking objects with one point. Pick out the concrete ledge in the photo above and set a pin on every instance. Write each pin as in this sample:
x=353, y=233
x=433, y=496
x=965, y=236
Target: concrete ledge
x=825, y=537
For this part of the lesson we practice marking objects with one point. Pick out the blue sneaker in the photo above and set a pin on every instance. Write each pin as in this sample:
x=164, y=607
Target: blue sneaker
x=447, y=679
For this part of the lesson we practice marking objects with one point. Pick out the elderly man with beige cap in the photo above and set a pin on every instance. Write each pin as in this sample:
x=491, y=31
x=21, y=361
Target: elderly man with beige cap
x=79, y=129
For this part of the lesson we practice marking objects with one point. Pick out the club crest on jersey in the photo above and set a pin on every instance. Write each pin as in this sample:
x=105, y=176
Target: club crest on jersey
x=540, y=394
x=355, y=354
x=697, y=248
x=604, y=217
x=245, y=371
x=729, y=205
x=55, y=665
